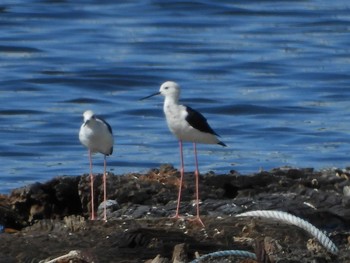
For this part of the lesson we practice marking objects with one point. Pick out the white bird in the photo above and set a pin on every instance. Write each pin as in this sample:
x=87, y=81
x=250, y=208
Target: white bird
x=96, y=135
x=187, y=125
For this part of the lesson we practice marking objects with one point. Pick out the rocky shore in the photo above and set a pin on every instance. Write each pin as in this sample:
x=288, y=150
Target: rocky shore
x=44, y=222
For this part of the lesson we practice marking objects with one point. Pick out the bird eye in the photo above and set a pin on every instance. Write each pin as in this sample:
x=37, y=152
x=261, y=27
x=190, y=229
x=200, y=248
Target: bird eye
x=166, y=88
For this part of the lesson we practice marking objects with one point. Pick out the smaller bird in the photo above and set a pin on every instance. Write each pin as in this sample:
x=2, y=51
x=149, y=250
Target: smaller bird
x=186, y=124
x=96, y=135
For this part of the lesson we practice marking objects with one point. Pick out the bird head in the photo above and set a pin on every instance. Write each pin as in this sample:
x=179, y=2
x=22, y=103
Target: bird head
x=167, y=89
x=170, y=89
x=88, y=116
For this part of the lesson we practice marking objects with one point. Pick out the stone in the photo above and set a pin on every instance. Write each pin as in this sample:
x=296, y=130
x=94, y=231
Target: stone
x=52, y=218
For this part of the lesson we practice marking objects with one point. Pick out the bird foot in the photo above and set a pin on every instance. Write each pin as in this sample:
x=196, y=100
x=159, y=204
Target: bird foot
x=93, y=217
x=197, y=220
x=177, y=216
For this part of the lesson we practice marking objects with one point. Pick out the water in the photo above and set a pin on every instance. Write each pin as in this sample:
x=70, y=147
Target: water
x=270, y=76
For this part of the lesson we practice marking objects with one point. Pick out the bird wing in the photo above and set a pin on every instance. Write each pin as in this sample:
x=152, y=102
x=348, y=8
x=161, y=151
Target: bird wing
x=107, y=124
x=198, y=121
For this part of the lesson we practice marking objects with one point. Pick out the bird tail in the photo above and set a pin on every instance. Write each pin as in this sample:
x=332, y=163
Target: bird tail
x=222, y=144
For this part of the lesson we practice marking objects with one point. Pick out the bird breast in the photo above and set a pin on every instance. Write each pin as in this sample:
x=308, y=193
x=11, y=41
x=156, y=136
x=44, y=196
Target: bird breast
x=96, y=138
x=175, y=116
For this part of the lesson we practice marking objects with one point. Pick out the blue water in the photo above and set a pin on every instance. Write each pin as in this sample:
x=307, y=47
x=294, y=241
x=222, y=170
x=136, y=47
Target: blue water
x=270, y=76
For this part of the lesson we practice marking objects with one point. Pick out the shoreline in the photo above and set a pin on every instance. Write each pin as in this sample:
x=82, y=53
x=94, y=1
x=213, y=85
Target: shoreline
x=139, y=227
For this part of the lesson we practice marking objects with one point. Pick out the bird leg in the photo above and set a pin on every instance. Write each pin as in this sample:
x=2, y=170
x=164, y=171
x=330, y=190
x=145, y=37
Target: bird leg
x=92, y=188
x=182, y=170
x=198, y=219
x=104, y=190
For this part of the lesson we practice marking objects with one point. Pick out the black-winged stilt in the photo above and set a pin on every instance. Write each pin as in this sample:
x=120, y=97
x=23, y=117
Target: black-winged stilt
x=186, y=124
x=96, y=135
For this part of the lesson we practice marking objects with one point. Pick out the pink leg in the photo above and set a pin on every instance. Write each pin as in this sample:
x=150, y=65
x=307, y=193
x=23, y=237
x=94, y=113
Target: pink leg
x=92, y=188
x=104, y=190
x=182, y=170
x=197, y=184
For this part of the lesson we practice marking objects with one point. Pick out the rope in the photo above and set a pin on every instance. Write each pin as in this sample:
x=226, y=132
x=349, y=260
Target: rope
x=226, y=253
x=297, y=221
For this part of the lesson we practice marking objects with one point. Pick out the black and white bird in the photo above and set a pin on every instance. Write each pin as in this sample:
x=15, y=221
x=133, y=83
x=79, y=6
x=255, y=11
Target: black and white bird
x=96, y=135
x=186, y=124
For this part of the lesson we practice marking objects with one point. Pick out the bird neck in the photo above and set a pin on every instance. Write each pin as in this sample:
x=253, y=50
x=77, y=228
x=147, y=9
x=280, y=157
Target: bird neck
x=170, y=104
x=91, y=123
x=171, y=100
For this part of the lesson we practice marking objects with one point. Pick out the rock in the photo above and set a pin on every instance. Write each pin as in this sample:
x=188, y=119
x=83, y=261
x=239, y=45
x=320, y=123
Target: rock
x=54, y=199
x=111, y=206
x=261, y=254
x=180, y=253
x=74, y=223
x=53, y=217
x=314, y=246
x=346, y=191
x=8, y=217
x=272, y=247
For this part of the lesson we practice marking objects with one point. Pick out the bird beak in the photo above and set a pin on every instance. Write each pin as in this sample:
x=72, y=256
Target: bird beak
x=155, y=94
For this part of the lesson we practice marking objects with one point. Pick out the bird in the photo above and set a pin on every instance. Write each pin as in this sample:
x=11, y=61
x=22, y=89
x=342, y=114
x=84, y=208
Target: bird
x=96, y=135
x=188, y=125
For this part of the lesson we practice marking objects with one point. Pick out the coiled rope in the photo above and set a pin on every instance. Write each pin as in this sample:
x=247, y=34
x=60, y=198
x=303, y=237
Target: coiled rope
x=297, y=221
x=226, y=253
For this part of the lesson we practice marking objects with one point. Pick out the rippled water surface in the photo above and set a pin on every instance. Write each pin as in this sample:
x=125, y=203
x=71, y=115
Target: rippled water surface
x=272, y=78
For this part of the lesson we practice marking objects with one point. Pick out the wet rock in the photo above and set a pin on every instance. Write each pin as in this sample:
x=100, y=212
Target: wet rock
x=54, y=199
x=8, y=217
x=55, y=216
x=111, y=206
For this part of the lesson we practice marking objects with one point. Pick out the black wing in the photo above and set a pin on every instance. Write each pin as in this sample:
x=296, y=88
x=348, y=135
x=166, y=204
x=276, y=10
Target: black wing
x=108, y=126
x=106, y=123
x=109, y=129
x=198, y=121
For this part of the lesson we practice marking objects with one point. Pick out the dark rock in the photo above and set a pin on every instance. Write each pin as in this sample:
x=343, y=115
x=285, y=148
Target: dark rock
x=55, y=214
x=55, y=199
x=111, y=206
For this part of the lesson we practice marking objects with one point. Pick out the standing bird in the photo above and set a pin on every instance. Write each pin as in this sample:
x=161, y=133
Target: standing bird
x=187, y=125
x=96, y=135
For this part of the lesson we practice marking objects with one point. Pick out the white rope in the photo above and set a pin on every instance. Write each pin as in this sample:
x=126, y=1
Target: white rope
x=226, y=253
x=74, y=254
x=297, y=221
